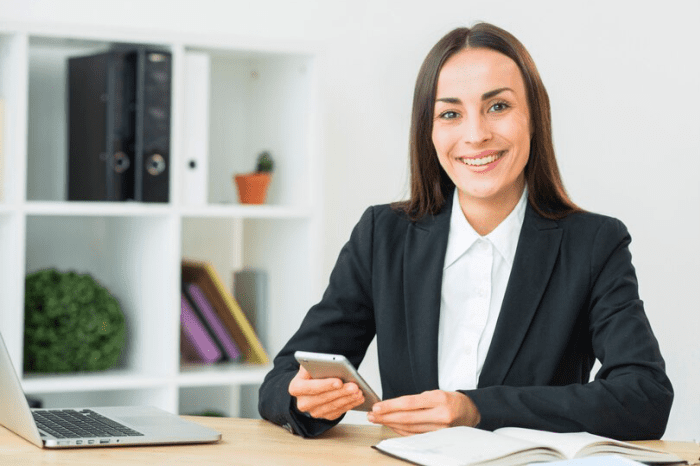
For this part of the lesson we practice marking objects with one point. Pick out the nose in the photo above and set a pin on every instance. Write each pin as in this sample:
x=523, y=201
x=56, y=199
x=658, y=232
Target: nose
x=476, y=130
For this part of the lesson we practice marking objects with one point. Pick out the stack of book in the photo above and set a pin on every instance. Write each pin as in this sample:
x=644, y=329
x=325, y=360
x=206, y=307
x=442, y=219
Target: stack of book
x=213, y=326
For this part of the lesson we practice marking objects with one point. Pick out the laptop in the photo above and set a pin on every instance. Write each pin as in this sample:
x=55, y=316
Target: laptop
x=90, y=427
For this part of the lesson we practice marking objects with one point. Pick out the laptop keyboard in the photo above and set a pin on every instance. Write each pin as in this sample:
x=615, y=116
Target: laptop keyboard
x=70, y=423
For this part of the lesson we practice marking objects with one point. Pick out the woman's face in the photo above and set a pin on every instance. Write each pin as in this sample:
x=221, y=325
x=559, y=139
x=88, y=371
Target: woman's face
x=481, y=126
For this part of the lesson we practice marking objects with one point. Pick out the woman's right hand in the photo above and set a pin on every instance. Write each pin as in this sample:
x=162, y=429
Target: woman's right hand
x=324, y=398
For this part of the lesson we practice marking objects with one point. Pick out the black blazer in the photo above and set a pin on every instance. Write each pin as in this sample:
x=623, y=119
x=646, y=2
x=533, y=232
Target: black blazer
x=571, y=298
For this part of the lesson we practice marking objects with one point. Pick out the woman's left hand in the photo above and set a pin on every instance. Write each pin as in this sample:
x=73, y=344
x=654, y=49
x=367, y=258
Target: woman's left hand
x=432, y=410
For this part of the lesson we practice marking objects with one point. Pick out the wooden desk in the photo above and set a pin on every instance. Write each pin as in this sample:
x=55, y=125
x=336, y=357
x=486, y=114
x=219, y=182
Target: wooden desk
x=244, y=442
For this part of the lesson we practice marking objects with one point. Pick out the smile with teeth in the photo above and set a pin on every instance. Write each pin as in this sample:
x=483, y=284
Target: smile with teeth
x=483, y=160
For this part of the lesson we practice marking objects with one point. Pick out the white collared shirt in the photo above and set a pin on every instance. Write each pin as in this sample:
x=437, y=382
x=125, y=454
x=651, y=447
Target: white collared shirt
x=475, y=276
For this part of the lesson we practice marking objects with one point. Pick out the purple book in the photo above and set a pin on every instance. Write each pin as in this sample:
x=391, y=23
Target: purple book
x=197, y=336
x=217, y=327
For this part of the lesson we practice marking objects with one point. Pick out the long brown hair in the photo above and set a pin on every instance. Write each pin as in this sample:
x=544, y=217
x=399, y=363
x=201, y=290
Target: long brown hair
x=429, y=183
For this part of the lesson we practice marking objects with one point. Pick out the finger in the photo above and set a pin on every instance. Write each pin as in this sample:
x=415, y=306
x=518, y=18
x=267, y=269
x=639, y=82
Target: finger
x=399, y=418
x=403, y=403
x=311, y=402
x=439, y=415
x=409, y=428
x=334, y=409
x=412, y=429
x=333, y=414
x=401, y=431
x=300, y=385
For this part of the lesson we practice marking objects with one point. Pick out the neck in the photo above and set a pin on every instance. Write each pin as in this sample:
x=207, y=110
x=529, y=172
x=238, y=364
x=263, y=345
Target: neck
x=484, y=215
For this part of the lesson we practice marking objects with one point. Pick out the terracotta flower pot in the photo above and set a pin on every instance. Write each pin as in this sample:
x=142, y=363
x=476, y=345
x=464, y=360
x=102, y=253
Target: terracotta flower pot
x=252, y=187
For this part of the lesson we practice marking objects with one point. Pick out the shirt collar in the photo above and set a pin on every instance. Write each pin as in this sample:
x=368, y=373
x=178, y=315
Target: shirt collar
x=504, y=237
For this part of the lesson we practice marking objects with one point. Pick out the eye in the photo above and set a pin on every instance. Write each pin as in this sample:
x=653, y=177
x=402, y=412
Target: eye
x=499, y=107
x=448, y=115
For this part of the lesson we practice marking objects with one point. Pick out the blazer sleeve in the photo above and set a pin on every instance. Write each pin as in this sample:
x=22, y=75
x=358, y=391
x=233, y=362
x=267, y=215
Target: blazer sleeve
x=341, y=323
x=630, y=397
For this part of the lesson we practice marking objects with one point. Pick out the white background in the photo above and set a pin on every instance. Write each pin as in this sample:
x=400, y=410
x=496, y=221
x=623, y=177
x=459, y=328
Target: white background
x=624, y=84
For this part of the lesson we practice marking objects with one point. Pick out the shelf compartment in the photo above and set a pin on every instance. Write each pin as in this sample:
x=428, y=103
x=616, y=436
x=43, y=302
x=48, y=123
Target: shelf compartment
x=128, y=256
x=283, y=248
x=263, y=102
x=47, y=134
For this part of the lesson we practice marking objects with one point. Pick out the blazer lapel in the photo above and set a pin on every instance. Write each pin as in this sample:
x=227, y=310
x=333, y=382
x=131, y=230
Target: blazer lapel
x=538, y=248
x=424, y=257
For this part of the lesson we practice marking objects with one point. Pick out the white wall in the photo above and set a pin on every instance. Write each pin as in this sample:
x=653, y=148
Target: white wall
x=623, y=81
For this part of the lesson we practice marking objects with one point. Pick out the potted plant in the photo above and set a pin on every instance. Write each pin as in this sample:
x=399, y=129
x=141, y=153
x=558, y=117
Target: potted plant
x=252, y=187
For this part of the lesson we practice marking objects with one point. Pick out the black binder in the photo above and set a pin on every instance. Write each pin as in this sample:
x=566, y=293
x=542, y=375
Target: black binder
x=101, y=97
x=152, y=138
x=119, y=126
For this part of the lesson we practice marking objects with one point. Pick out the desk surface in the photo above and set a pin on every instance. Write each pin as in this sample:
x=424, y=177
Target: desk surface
x=245, y=442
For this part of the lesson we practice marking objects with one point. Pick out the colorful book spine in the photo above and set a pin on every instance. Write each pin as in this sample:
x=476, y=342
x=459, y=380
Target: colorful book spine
x=196, y=335
x=227, y=308
x=217, y=328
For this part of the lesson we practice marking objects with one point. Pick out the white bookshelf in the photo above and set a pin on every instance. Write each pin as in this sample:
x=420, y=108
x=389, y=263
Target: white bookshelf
x=262, y=97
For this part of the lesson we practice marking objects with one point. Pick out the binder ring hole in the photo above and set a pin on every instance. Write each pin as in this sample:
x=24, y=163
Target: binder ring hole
x=121, y=162
x=155, y=164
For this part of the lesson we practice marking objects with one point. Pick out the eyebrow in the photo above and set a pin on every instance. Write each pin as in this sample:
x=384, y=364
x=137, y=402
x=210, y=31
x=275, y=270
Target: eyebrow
x=484, y=96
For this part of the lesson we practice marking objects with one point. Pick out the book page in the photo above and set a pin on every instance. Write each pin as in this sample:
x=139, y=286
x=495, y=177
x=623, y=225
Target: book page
x=465, y=446
x=582, y=444
x=607, y=460
x=569, y=444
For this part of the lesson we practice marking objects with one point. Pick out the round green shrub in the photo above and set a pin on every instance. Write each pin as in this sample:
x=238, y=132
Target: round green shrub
x=71, y=323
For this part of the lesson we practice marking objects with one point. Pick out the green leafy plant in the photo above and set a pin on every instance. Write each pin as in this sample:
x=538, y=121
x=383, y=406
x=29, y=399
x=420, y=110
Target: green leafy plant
x=265, y=163
x=72, y=323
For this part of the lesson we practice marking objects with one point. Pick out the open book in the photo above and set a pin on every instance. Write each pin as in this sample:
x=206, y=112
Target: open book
x=511, y=446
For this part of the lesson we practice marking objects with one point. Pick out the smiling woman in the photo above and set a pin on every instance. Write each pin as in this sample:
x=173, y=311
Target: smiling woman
x=430, y=184
x=490, y=293
x=482, y=134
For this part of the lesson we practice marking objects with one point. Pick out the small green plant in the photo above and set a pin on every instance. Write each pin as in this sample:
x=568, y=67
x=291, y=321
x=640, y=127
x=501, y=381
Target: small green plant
x=72, y=323
x=265, y=163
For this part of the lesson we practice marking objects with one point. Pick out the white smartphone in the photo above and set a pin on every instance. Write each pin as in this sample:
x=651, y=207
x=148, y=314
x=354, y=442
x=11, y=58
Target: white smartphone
x=324, y=365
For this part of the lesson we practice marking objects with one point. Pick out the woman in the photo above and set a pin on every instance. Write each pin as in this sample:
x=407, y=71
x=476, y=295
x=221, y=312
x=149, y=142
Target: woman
x=490, y=293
